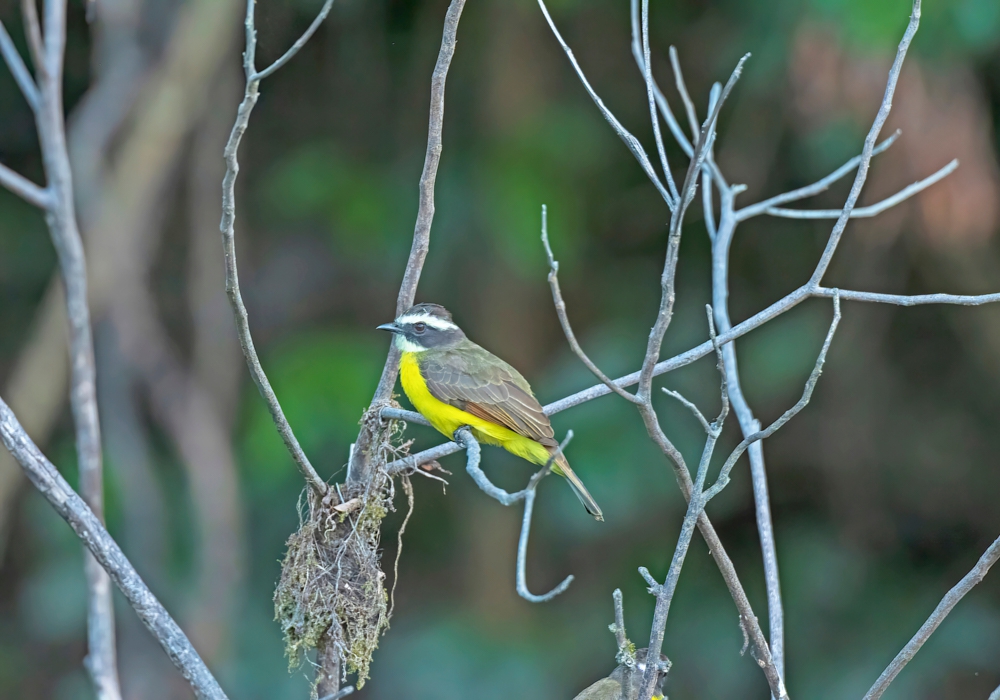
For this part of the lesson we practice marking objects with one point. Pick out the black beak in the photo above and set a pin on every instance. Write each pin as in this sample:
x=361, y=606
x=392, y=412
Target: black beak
x=391, y=327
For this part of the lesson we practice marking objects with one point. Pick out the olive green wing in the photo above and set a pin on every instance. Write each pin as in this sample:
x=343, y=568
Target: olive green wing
x=604, y=689
x=474, y=380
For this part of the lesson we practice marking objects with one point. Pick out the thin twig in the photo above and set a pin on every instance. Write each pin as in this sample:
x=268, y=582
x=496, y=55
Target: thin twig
x=814, y=189
x=689, y=108
x=359, y=469
x=25, y=188
x=567, y=327
x=625, y=655
x=950, y=600
x=689, y=406
x=872, y=209
x=227, y=226
x=807, y=393
x=654, y=117
x=33, y=33
x=62, y=222
x=299, y=43
x=866, y=152
x=19, y=70
x=473, y=453
x=89, y=529
x=630, y=141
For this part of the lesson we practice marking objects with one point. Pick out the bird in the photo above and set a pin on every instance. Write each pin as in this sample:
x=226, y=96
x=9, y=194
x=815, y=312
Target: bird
x=454, y=383
x=610, y=688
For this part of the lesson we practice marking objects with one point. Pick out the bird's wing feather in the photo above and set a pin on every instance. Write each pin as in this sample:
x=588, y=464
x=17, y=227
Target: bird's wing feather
x=473, y=380
x=604, y=689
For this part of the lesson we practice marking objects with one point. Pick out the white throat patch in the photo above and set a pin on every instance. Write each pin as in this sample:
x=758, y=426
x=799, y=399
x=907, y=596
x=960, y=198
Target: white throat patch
x=405, y=345
x=432, y=321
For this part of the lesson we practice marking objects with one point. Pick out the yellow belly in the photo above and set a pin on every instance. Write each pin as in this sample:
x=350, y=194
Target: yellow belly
x=447, y=419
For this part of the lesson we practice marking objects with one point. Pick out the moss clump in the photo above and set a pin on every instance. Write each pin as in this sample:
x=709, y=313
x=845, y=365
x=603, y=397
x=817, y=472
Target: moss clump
x=331, y=585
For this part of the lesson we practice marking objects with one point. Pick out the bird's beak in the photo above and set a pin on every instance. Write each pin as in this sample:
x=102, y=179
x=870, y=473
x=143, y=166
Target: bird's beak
x=391, y=327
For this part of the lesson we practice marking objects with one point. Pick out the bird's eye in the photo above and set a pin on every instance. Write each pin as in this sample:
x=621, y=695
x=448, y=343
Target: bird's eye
x=419, y=327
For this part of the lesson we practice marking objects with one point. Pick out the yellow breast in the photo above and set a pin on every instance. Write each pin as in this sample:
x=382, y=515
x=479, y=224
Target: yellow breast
x=447, y=419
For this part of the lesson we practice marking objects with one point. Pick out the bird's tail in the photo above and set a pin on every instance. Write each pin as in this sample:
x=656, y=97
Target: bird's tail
x=561, y=467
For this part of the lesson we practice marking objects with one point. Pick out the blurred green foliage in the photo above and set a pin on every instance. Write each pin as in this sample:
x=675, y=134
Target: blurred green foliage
x=883, y=489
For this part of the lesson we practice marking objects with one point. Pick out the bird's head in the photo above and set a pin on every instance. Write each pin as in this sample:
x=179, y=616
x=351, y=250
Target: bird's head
x=424, y=327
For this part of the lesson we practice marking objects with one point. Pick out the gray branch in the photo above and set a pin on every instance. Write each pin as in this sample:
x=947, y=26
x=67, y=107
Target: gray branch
x=359, y=469
x=227, y=226
x=814, y=189
x=950, y=600
x=567, y=327
x=473, y=452
x=872, y=209
x=95, y=537
x=19, y=70
x=869, y=147
x=57, y=200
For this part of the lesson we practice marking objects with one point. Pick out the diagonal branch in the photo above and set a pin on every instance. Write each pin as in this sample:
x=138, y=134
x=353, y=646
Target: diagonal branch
x=19, y=70
x=89, y=529
x=869, y=147
x=947, y=604
x=25, y=188
x=227, y=226
x=567, y=327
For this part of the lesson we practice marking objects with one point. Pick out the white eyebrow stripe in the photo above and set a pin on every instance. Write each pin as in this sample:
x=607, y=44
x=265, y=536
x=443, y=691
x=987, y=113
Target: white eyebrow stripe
x=432, y=321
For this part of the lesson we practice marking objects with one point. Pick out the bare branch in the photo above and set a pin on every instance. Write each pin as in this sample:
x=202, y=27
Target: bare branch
x=699, y=351
x=359, y=469
x=653, y=115
x=872, y=209
x=866, y=152
x=950, y=600
x=61, y=219
x=625, y=655
x=914, y=300
x=25, y=188
x=567, y=327
x=787, y=415
x=692, y=113
x=473, y=452
x=813, y=189
x=89, y=529
x=33, y=33
x=299, y=43
x=408, y=416
x=17, y=68
x=689, y=406
x=631, y=141
x=995, y=695
x=227, y=226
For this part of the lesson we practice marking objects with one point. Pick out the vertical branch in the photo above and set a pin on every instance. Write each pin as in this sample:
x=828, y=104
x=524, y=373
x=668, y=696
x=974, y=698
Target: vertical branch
x=359, y=470
x=227, y=226
x=61, y=219
x=721, y=244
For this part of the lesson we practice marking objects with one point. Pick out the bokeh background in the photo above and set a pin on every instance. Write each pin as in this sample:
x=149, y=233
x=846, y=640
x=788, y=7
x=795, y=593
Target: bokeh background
x=884, y=489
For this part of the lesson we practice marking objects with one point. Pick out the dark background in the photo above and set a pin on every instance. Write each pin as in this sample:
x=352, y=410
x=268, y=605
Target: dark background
x=884, y=491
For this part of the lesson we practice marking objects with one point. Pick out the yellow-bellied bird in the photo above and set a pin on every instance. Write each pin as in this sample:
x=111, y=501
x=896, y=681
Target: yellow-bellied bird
x=453, y=382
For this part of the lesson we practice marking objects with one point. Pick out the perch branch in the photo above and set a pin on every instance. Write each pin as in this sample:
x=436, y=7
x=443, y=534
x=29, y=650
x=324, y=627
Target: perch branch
x=950, y=600
x=227, y=227
x=473, y=451
x=25, y=188
x=91, y=531
x=359, y=469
